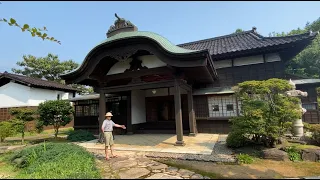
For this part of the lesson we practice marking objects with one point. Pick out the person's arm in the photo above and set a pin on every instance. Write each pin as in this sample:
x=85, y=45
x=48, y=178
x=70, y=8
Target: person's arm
x=119, y=126
x=103, y=125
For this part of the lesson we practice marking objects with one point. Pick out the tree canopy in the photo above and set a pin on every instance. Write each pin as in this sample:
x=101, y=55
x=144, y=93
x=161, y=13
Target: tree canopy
x=265, y=110
x=56, y=113
x=307, y=62
x=48, y=68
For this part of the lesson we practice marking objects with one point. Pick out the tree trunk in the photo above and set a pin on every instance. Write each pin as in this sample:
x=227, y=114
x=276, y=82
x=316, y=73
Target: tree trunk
x=56, y=131
x=22, y=137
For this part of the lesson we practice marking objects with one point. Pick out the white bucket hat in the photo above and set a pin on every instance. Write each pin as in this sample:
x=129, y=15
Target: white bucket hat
x=109, y=114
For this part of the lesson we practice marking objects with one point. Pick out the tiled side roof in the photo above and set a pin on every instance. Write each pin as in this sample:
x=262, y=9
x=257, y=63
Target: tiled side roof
x=36, y=82
x=247, y=40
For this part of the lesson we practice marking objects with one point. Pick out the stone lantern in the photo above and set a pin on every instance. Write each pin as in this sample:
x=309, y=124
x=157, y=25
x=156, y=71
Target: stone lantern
x=297, y=124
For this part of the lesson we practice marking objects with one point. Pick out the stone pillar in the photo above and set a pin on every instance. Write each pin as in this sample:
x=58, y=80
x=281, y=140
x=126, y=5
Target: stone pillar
x=178, y=114
x=102, y=113
x=192, y=119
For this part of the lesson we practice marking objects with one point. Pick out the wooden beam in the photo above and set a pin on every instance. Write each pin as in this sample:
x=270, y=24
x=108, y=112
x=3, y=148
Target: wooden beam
x=141, y=86
x=178, y=114
x=129, y=117
x=143, y=72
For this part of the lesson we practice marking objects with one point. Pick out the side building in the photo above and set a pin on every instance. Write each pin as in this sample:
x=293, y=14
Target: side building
x=18, y=91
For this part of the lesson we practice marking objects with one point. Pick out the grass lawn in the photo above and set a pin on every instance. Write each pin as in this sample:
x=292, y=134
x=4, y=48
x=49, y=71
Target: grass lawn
x=49, y=160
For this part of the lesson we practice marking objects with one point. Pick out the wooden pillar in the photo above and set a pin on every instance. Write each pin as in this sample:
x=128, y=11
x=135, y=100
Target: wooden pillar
x=102, y=113
x=129, y=118
x=178, y=114
x=192, y=119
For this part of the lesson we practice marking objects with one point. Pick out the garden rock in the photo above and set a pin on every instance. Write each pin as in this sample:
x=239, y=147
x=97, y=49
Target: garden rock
x=134, y=173
x=197, y=176
x=163, y=176
x=275, y=154
x=311, y=155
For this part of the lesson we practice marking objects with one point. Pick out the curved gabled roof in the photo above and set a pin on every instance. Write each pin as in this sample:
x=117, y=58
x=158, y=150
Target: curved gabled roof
x=165, y=43
x=160, y=40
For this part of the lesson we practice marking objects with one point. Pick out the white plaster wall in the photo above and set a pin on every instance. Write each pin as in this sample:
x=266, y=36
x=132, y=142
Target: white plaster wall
x=248, y=60
x=15, y=95
x=272, y=57
x=150, y=61
x=138, y=106
x=223, y=64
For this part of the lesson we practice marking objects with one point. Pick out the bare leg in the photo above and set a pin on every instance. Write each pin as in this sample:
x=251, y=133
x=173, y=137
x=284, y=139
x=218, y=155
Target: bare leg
x=112, y=155
x=106, y=151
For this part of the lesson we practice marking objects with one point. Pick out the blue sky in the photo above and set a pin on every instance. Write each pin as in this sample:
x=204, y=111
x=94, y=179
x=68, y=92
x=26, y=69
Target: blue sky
x=81, y=25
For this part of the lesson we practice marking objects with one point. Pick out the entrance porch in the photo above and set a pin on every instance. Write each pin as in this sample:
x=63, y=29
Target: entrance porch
x=203, y=144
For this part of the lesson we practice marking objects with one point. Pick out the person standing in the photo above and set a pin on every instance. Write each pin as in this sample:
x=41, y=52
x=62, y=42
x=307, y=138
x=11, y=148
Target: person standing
x=107, y=128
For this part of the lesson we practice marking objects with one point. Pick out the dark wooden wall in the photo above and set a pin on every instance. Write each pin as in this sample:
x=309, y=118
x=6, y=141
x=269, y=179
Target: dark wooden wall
x=233, y=75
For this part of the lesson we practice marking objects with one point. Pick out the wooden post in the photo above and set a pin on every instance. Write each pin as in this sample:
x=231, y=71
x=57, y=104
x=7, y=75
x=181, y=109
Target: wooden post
x=102, y=113
x=192, y=119
x=129, y=118
x=178, y=114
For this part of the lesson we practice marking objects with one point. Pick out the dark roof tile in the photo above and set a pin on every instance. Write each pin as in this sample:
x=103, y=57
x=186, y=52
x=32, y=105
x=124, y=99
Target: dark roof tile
x=243, y=41
x=36, y=82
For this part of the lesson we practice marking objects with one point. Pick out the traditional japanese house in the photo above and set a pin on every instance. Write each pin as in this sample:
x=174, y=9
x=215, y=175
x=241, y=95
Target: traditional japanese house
x=152, y=85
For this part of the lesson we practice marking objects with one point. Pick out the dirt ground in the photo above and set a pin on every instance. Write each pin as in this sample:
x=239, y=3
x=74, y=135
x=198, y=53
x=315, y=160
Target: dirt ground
x=260, y=169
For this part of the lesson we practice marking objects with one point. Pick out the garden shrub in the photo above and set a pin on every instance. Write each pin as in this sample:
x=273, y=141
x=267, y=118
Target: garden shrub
x=245, y=159
x=294, y=153
x=6, y=130
x=266, y=112
x=55, y=160
x=80, y=135
x=315, y=129
x=235, y=140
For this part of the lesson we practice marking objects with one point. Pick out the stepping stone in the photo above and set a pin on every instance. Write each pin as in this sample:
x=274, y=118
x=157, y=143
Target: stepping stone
x=163, y=176
x=124, y=164
x=158, y=167
x=196, y=176
x=172, y=169
x=134, y=173
x=185, y=173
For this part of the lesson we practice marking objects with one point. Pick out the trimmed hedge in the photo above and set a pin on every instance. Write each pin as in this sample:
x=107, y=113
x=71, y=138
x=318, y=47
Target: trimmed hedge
x=80, y=135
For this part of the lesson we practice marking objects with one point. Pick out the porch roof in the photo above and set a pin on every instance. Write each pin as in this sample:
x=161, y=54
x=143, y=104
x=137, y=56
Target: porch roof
x=160, y=40
x=215, y=90
x=306, y=81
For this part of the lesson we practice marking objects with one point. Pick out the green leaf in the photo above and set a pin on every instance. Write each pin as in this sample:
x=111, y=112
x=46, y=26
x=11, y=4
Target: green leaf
x=44, y=35
x=12, y=21
x=25, y=26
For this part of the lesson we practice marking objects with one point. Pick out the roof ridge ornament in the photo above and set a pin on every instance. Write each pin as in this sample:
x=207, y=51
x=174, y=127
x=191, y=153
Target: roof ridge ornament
x=120, y=25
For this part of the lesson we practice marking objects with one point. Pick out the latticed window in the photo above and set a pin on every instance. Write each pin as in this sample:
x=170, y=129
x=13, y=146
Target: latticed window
x=222, y=106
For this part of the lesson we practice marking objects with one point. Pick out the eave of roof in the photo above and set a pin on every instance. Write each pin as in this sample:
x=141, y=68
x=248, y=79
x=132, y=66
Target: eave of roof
x=306, y=81
x=36, y=82
x=162, y=41
x=215, y=90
